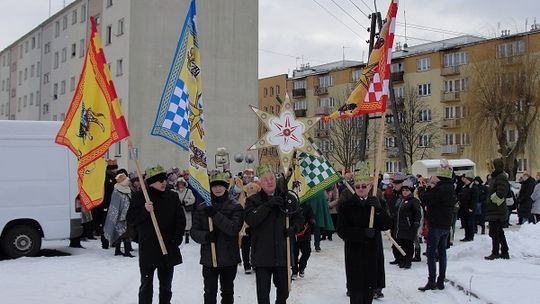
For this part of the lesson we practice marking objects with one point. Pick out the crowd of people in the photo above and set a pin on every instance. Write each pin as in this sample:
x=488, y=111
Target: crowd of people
x=255, y=221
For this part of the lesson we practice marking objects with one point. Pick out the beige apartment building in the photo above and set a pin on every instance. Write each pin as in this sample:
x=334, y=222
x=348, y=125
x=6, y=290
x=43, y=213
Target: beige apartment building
x=436, y=72
x=39, y=71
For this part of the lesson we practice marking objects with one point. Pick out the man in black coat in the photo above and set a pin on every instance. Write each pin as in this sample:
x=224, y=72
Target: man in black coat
x=302, y=244
x=364, y=258
x=227, y=217
x=440, y=201
x=524, y=198
x=171, y=220
x=266, y=217
x=468, y=198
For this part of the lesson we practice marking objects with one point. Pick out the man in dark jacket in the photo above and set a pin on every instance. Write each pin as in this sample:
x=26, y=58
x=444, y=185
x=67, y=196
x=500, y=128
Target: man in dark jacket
x=468, y=197
x=302, y=244
x=496, y=210
x=440, y=201
x=364, y=258
x=524, y=198
x=171, y=219
x=227, y=216
x=265, y=214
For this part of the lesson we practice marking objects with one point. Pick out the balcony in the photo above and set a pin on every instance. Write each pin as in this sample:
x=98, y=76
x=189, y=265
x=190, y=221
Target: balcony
x=299, y=93
x=450, y=123
x=321, y=90
x=451, y=70
x=321, y=133
x=449, y=149
x=392, y=152
x=323, y=111
x=450, y=96
x=300, y=112
x=397, y=76
x=513, y=59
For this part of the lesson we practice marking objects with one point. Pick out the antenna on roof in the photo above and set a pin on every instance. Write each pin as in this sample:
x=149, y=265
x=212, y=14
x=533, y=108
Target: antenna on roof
x=405, y=45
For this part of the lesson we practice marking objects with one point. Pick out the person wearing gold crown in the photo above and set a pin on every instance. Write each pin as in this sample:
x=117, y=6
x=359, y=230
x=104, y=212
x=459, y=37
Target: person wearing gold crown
x=227, y=216
x=171, y=219
x=364, y=258
x=265, y=214
x=440, y=201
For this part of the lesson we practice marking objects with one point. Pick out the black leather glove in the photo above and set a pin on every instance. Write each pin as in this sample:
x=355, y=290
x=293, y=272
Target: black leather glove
x=210, y=211
x=373, y=202
x=369, y=232
x=211, y=236
x=289, y=232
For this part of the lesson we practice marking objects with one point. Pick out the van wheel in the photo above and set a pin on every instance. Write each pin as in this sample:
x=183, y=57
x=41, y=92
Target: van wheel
x=22, y=240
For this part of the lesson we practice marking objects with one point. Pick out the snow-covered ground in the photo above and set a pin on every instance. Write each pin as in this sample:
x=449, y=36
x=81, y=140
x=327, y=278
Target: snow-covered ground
x=94, y=275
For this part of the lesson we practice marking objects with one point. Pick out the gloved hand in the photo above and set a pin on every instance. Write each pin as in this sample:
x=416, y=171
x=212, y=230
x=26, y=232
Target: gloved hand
x=374, y=202
x=289, y=232
x=210, y=211
x=369, y=232
x=211, y=236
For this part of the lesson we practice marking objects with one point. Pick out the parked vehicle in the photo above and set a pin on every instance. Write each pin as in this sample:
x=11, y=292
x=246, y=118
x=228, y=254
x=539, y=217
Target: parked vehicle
x=38, y=187
x=428, y=167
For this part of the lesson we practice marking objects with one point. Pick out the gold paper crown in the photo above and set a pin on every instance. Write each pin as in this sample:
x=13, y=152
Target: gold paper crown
x=362, y=172
x=262, y=169
x=153, y=171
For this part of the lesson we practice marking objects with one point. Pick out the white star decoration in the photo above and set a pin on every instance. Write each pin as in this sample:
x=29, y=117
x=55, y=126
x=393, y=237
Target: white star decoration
x=286, y=132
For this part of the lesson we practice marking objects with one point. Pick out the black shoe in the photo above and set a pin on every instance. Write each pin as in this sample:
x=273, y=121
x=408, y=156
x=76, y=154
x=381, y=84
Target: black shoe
x=378, y=295
x=465, y=240
x=429, y=286
x=127, y=254
x=118, y=252
x=406, y=265
x=318, y=249
x=505, y=256
x=394, y=262
x=492, y=257
x=348, y=294
x=440, y=284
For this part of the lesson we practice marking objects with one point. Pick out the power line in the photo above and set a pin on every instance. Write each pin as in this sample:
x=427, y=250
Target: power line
x=330, y=13
x=291, y=56
x=431, y=29
x=359, y=8
x=348, y=14
x=367, y=5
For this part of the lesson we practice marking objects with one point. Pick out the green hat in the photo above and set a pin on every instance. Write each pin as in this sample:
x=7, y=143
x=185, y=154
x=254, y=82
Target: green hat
x=444, y=170
x=262, y=169
x=155, y=174
x=362, y=172
x=220, y=178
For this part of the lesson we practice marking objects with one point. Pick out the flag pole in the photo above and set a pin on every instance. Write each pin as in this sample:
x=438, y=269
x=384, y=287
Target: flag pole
x=147, y=199
x=212, y=244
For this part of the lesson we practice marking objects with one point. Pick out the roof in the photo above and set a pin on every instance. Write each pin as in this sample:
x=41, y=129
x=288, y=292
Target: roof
x=436, y=46
x=325, y=68
x=435, y=163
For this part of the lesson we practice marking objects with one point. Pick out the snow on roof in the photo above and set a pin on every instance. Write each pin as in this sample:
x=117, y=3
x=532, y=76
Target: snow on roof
x=435, y=163
x=325, y=68
x=435, y=46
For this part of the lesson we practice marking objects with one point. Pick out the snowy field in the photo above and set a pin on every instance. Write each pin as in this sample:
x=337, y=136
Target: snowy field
x=94, y=275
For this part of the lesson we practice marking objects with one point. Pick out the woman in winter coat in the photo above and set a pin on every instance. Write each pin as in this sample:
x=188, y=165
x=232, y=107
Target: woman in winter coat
x=496, y=211
x=188, y=200
x=227, y=216
x=407, y=220
x=535, y=211
x=116, y=227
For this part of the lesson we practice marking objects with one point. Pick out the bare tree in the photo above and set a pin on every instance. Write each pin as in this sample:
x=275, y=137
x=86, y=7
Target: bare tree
x=344, y=138
x=419, y=125
x=503, y=94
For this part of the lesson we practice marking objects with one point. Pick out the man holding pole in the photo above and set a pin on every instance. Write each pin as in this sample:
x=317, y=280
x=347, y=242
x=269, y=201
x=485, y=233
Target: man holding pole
x=170, y=215
x=267, y=214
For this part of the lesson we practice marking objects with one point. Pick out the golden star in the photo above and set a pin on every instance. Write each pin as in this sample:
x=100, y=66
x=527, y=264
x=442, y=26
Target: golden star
x=286, y=132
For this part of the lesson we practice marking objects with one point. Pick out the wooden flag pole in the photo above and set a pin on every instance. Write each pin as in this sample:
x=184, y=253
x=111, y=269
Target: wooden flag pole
x=378, y=161
x=288, y=252
x=147, y=199
x=212, y=244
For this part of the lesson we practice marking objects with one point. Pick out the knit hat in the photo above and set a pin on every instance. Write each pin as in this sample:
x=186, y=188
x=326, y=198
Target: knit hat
x=155, y=174
x=262, y=169
x=361, y=173
x=220, y=178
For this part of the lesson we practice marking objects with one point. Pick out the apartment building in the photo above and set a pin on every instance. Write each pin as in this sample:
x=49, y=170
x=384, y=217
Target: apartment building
x=39, y=71
x=436, y=72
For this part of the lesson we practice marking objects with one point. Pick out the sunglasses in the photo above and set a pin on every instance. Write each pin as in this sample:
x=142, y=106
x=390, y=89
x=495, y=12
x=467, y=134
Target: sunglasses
x=362, y=186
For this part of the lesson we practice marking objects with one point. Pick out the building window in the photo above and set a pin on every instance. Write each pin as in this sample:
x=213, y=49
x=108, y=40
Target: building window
x=119, y=67
x=522, y=164
x=355, y=76
x=327, y=102
x=72, y=84
x=26, y=46
x=74, y=17
x=56, y=59
x=32, y=70
x=38, y=70
x=19, y=105
x=423, y=64
x=64, y=55
x=62, y=116
x=424, y=140
x=399, y=92
x=392, y=166
x=46, y=108
x=300, y=84
x=424, y=115
x=271, y=91
x=454, y=112
x=120, y=27
x=3, y=85
x=97, y=18
x=424, y=89
x=455, y=59
x=73, y=50
x=511, y=136
x=109, y=3
x=33, y=42
x=55, y=91
x=54, y=117
x=83, y=13
x=455, y=85
x=2, y=109
x=20, y=77
x=64, y=22
x=326, y=81
x=300, y=105
x=81, y=48
x=31, y=99
x=25, y=73
x=38, y=98
x=265, y=92
x=20, y=51
x=47, y=48
x=45, y=78
x=278, y=91
x=510, y=49
x=63, y=87
x=108, y=35
x=25, y=99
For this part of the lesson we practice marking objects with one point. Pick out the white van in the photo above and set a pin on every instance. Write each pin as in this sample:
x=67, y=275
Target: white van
x=38, y=187
x=428, y=167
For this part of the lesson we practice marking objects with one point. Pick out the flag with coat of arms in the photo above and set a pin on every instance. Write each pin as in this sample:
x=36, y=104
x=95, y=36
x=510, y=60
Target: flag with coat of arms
x=179, y=117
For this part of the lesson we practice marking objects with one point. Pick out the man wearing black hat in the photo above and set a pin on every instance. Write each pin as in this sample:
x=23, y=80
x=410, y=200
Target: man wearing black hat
x=171, y=219
x=227, y=216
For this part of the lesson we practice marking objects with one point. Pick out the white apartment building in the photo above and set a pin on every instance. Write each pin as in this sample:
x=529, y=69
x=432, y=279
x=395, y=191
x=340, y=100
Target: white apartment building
x=39, y=72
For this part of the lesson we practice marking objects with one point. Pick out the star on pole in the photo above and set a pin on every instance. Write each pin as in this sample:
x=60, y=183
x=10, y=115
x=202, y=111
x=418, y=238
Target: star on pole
x=286, y=132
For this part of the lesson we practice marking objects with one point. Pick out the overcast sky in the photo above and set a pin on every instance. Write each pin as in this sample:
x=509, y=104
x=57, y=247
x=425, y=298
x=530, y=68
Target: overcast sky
x=292, y=32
